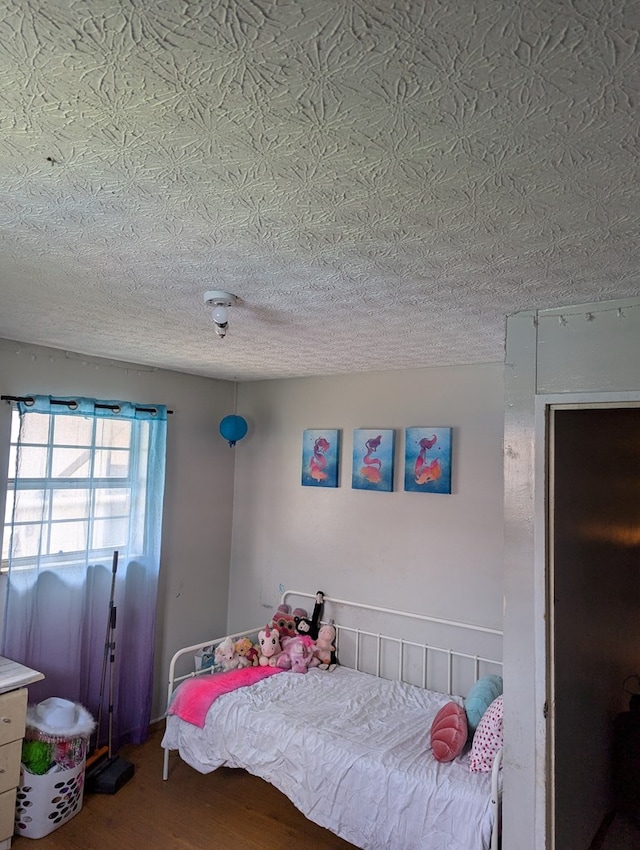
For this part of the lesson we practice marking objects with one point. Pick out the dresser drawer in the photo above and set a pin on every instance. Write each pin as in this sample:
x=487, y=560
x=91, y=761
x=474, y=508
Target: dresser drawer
x=13, y=711
x=7, y=813
x=10, y=756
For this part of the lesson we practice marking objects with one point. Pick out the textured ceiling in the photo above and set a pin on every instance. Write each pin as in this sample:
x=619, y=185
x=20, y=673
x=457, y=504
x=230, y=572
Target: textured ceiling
x=379, y=181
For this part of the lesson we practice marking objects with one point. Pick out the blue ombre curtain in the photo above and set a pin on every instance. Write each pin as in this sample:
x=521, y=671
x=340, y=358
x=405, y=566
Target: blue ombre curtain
x=88, y=481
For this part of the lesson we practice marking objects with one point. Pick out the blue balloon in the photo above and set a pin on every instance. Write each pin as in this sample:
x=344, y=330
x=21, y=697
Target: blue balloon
x=233, y=428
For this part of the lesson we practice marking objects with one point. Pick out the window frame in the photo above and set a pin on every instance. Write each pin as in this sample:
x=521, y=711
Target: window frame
x=48, y=484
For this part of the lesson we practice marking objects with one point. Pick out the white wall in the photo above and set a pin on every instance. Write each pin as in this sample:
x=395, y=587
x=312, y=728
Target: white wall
x=437, y=554
x=192, y=602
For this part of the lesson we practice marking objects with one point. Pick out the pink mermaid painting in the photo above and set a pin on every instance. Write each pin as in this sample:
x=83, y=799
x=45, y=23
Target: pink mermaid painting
x=371, y=468
x=320, y=458
x=372, y=459
x=424, y=471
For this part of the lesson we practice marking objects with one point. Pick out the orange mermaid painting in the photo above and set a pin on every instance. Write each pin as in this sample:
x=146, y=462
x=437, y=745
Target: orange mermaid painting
x=428, y=460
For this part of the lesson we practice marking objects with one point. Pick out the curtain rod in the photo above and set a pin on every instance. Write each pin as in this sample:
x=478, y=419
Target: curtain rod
x=70, y=404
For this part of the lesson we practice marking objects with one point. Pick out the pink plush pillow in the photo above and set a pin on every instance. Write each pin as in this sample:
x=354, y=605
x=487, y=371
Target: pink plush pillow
x=488, y=739
x=449, y=732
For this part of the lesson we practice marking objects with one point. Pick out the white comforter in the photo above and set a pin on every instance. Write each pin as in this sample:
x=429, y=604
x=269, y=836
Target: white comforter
x=352, y=752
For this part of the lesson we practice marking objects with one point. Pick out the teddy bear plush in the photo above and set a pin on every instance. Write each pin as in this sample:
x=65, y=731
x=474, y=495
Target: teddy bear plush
x=270, y=648
x=248, y=654
x=325, y=649
x=226, y=656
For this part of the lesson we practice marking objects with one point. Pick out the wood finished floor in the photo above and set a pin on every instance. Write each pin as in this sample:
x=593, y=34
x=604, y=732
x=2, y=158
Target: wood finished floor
x=224, y=810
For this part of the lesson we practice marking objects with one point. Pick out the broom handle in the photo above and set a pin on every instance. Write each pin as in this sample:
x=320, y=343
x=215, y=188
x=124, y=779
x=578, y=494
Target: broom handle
x=112, y=657
x=107, y=649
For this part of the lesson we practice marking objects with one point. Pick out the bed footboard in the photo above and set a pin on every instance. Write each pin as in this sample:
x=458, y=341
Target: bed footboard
x=496, y=799
x=175, y=680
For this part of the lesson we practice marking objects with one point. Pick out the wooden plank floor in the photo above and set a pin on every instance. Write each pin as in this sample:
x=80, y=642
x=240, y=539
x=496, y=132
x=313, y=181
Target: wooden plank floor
x=224, y=810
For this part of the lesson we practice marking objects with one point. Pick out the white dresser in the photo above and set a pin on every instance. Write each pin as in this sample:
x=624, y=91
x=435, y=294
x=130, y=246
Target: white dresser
x=13, y=709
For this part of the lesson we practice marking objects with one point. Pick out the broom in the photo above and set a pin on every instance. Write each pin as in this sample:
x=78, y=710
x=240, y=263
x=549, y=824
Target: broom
x=104, y=772
x=100, y=753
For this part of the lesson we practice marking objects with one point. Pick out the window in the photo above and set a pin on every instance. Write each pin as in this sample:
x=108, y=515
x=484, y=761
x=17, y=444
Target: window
x=86, y=480
x=72, y=496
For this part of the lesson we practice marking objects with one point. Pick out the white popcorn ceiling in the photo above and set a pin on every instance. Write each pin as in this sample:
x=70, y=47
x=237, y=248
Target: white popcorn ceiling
x=379, y=181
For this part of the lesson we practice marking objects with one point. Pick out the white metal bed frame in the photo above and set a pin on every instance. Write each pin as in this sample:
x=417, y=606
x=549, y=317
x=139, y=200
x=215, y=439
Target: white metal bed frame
x=380, y=640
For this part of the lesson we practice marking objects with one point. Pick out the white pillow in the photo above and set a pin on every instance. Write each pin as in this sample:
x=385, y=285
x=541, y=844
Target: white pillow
x=487, y=739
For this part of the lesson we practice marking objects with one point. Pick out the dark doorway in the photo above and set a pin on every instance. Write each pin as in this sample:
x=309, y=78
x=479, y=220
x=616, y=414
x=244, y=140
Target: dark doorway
x=595, y=605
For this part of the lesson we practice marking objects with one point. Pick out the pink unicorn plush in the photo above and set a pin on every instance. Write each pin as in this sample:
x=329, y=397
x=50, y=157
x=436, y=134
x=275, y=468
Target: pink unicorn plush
x=270, y=649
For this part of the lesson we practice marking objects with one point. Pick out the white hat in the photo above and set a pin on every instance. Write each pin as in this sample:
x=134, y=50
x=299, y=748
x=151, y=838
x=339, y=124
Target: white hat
x=56, y=712
x=60, y=717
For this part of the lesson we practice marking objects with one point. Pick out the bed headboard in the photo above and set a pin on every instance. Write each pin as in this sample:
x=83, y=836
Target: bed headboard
x=432, y=652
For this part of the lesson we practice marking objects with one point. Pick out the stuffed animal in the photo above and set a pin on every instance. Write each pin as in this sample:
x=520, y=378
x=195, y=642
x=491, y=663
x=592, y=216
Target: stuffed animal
x=310, y=627
x=270, y=648
x=248, y=654
x=325, y=649
x=284, y=620
x=297, y=654
x=226, y=656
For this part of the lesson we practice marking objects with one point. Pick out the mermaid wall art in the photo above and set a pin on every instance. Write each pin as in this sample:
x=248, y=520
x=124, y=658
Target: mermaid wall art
x=427, y=460
x=372, y=459
x=320, y=453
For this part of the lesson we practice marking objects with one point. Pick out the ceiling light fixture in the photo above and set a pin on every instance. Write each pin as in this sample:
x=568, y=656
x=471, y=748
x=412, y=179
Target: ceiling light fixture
x=220, y=301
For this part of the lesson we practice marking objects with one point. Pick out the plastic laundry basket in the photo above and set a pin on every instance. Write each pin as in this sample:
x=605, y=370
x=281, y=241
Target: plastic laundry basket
x=56, y=738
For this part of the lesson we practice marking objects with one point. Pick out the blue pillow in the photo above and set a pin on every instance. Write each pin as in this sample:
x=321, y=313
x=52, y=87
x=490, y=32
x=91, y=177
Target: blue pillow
x=482, y=694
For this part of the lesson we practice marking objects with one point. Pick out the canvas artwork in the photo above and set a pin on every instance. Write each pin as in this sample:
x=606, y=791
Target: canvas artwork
x=427, y=460
x=372, y=459
x=320, y=455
